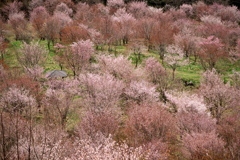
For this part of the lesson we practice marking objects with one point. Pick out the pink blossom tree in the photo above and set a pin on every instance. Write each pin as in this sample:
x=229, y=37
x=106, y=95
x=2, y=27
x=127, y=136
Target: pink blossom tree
x=35, y=72
x=30, y=55
x=51, y=5
x=106, y=122
x=125, y=23
x=209, y=19
x=11, y=8
x=157, y=149
x=38, y=17
x=154, y=69
x=220, y=31
x=20, y=26
x=200, y=9
x=91, y=33
x=229, y=129
x=48, y=142
x=141, y=92
x=188, y=9
x=186, y=102
x=192, y=121
x=238, y=45
x=187, y=42
x=96, y=37
x=120, y=67
x=177, y=14
x=73, y=32
x=17, y=99
x=106, y=27
x=162, y=36
x=101, y=91
x=157, y=74
x=6, y=133
x=149, y=122
x=138, y=9
x=146, y=30
x=218, y=96
x=115, y=3
x=58, y=100
x=51, y=30
x=78, y=56
x=63, y=20
x=203, y=145
x=13, y=128
x=53, y=26
x=58, y=103
x=93, y=149
x=228, y=13
x=82, y=13
x=35, y=3
x=63, y=8
x=18, y=106
x=22, y=82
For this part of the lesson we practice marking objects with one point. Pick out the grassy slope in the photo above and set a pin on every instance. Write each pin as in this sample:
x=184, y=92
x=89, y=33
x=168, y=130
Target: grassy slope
x=11, y=59
x=191, y=72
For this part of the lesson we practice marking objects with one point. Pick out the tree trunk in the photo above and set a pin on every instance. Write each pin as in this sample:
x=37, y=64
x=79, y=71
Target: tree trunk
x=173, y=73
x=139, y=56
x=2, y=56
x=30, y=135
x=195, y=58
x=17, y=136
x=3, y=139
x=61, y=66
x=74, y=73
x=48, y=44
x=136, y=57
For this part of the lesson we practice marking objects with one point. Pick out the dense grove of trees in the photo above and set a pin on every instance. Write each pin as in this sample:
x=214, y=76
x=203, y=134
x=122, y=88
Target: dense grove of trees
x=122, y=98
x=154, y=3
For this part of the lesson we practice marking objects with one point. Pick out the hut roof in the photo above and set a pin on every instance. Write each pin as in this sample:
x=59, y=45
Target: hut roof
x=56, y=74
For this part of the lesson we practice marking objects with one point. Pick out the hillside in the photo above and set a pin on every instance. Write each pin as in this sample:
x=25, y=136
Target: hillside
x=119, y=81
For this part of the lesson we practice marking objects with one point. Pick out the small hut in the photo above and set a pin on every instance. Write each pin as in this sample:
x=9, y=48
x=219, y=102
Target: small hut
x=56, y=74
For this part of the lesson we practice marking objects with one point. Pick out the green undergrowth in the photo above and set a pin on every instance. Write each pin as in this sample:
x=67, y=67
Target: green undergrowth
x=191, y=72
x=226, y=68
x=72, y=120
x=134, y=58
x=10, y=56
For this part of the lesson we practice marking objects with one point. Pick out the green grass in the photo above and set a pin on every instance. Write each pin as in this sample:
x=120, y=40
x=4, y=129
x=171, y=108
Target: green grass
x=72, y=120
x=227, y=66
x=10, y=56
x=134, y=57
x=191, y=72
x=11, y=59
x=120, y=49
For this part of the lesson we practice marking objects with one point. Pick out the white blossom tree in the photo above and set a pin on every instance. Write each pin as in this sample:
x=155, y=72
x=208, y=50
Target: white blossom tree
x=101, y=91
x=175, y=58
